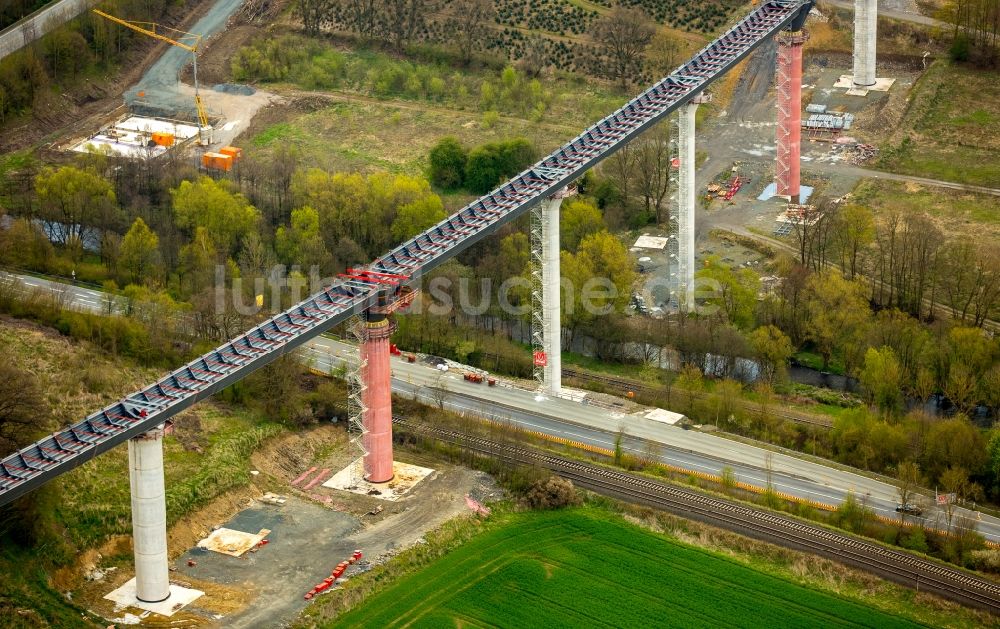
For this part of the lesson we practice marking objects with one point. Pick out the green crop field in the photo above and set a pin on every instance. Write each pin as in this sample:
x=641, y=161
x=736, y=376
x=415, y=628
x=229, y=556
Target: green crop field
x=586, y=568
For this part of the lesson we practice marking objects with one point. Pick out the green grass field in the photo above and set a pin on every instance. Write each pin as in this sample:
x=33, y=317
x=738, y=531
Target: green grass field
x=949, y=130
x=585, y=568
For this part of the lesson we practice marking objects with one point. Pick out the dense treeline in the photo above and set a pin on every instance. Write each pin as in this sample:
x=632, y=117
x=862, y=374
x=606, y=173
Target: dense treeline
x=976, y=30
x=905, y=260
x=13, y=10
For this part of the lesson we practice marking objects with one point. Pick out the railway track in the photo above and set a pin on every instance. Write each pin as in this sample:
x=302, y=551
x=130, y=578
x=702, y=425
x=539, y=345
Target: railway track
x=900, y=567
x=624, y=386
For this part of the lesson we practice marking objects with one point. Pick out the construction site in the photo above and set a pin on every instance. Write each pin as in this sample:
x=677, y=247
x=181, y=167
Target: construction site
x=164, y=115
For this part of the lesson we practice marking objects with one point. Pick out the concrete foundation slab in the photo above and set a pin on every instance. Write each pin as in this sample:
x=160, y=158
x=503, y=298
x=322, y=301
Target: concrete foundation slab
x=846, y=81
x=404, y=478
x=180, y=597
x=664, y=416
x=232, y=542
x=770, y=192
x=650, y=242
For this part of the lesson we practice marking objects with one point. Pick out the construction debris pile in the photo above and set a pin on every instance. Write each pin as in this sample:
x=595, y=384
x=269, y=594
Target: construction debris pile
x=863, y=153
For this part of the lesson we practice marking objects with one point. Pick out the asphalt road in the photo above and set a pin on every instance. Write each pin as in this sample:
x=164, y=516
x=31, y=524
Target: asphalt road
x=595, y=425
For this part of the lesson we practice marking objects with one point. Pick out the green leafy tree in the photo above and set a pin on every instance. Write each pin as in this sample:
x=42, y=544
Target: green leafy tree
x=490, y=163
x=836, y=313
x=734, y=291
x=301, y=243
x=357, y=210
x=960, y=386
x=25, y=245
x=608, y=258
x=417, y=216
x=197, y=262
x=773, y=349
x=447, y=163
x=227, y=216
x=882, y=378
x=140, y=252
x=79, y=204
x=954, y=441
x=578, y=218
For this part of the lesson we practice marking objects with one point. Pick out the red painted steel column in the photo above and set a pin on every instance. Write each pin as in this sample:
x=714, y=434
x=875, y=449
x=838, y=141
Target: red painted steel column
x=377, y=398
x=789, y=101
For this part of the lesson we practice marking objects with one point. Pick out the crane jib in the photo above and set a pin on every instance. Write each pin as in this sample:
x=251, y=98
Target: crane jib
x=367, y=287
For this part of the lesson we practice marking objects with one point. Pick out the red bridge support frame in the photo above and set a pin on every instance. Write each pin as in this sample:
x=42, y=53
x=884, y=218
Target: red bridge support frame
x=789, y=101
x=377, y=398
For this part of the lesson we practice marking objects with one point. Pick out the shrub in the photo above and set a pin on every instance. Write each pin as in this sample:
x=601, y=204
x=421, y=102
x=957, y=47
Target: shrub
x=448, y=159
x=553, y=492
x=490, y=163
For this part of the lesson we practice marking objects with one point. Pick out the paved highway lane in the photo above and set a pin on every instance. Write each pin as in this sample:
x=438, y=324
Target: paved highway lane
x=598, y=426
x=689, y=449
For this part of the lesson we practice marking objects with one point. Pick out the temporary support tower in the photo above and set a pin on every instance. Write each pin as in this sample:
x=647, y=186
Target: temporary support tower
x=149, y=516
x=356, y=386
x=789, y=100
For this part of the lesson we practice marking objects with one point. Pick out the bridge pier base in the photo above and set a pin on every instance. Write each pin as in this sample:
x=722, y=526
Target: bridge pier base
x=377, y=398
x=149, y=516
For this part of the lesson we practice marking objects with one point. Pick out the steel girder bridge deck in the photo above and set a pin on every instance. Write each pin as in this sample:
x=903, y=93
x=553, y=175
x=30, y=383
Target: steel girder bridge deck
x=386, y=277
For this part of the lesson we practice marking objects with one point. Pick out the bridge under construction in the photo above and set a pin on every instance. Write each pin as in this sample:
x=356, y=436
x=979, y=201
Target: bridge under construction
x=373, y=292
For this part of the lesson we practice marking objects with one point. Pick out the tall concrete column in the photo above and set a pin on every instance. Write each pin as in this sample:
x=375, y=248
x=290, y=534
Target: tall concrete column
x=686, y=198
x=789, y=102
x=552, y=323
x=149, y=516
x=686, y=203
x=865, y=31
x=377, y=398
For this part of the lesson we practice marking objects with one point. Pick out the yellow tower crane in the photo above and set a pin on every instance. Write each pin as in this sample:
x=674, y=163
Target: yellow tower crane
x=187, y=41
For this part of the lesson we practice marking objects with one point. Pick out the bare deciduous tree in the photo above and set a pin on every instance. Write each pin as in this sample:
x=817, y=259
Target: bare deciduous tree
x=314, y=14
x=402, y=20
x=22, y=409
x=470, y=25
x=361, y=16
x=653, y=169
x=621, y=39
x=908, y=480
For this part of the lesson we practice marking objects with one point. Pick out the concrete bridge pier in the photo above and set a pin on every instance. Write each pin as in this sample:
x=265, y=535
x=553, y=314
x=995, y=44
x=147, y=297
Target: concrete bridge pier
x=686, y=197
x=865, y=33
x=377, y=398
x=551, y=294
x=149, y=516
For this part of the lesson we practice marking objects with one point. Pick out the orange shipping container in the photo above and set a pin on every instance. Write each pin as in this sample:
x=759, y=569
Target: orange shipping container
x=217, y=161
x=232, y=151
x=163, y=139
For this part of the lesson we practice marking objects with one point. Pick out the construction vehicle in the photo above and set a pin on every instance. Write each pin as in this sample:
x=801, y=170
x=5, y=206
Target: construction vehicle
x=205, y=130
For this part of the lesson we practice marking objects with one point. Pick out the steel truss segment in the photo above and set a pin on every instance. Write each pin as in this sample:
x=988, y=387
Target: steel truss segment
x=335, y=304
